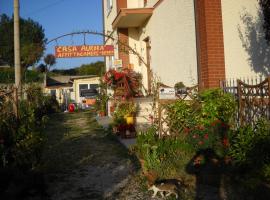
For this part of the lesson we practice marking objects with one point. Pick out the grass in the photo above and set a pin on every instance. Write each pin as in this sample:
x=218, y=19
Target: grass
x=74, y=140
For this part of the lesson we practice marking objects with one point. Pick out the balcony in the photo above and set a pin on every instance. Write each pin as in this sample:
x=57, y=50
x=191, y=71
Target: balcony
x=130, y=18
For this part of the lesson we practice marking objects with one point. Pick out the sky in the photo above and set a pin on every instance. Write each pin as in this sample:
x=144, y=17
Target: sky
x=59, y=17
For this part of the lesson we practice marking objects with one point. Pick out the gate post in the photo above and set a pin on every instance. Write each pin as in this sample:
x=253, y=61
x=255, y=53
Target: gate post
x=268, y=114
x=240, y=106
x=15, y=102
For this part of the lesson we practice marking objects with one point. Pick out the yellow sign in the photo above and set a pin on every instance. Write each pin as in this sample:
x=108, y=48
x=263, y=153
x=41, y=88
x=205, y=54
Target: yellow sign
x=83, y=51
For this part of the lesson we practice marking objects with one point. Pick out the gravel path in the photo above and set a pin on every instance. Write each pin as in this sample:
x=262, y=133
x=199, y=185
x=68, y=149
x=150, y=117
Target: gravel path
x=81, y=162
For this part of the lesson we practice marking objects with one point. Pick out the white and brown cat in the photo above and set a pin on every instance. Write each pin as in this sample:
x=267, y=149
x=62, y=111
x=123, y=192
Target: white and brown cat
x=167, y=188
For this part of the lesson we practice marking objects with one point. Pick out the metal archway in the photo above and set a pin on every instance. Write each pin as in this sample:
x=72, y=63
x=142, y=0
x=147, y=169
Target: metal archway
x=103, y=35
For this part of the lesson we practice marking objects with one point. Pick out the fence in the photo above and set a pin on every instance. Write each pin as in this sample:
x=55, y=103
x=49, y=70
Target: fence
x=253, y=99
x=8, y=94
x=163, y=123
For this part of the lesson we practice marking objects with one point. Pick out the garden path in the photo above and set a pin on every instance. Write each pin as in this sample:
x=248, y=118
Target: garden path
x=82, y=161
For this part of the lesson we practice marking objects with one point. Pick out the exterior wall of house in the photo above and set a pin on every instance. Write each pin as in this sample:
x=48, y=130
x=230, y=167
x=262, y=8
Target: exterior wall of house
x=109, y=16
x=151, y=3
x=171, y=30
x=59, y=93
x=135, y=3
x=245, y=48
x=77, y=82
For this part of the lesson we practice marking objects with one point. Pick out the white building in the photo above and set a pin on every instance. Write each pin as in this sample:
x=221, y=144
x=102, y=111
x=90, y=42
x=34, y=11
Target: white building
x=192, y=41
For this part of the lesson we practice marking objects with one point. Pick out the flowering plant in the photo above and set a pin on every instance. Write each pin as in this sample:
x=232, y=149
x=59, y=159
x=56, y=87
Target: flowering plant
x=213, y=136
x=128, y=79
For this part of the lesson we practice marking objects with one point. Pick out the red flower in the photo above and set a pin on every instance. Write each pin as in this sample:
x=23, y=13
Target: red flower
x=224, y=125
x=206, y=136
x=118, y=75
x=200, y=142
x=225, y=142
x=195, y=136
x=186, y=130
x=214, y=123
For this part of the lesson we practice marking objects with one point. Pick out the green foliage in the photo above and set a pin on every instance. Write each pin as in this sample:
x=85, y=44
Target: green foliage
x=97, y=68
x=216, y=105
x=21, y=139
x=179, y=85
x=183, y=113
x=125, y=109
x=32, y=39
x=265, y=7
x=251, y=146
x=49, y=60
x=250, y=151
x=7, y=75
x=210, y=106
x=166, y=156
x=241, y=144
x=199, y=124
x=102, y=97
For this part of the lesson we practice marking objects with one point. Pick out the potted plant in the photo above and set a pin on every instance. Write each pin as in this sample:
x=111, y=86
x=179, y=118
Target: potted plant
x=102, y=99
x=131, y=110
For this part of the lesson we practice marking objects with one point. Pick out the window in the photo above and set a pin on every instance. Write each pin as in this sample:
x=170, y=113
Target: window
x=93, y=86
x=53, y=93
x=111, y=60
x=82, y=87
x=109, y=6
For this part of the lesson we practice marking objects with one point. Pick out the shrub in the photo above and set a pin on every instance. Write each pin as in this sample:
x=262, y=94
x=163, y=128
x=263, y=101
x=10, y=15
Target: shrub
x=250, y=150
x=165, y=156
x=216, y=105
x=21, y=139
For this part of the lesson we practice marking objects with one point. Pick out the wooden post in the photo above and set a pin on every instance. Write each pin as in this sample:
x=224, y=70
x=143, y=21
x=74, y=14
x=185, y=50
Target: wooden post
x=15, y=102
x=268, y=97
x=240, y=106
x=17, y=56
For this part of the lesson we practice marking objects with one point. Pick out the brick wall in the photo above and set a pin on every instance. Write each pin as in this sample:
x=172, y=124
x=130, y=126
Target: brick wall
x=210, y=43
x=123, y=50
x=121, y=4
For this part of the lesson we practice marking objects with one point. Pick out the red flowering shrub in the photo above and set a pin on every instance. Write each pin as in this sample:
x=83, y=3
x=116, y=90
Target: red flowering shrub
x=213, y=136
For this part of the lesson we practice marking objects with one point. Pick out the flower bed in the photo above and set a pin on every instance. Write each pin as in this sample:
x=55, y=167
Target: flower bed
x=207, y=139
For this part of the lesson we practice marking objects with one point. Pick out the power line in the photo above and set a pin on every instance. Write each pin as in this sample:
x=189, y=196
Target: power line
x=44, y=8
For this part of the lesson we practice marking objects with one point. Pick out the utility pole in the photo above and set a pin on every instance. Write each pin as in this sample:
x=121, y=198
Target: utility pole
x=17, y=55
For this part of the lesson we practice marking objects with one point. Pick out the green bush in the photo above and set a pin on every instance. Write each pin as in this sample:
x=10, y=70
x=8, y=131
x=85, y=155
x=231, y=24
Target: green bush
x=251, y=146
x=21, y=139
x=250, y=150
x=7, y=75
x=123, y=110
x=216, y=105
x=165, y=156
x=200, y=124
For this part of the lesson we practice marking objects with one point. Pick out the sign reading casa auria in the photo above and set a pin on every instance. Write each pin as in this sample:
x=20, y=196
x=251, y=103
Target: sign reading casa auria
x=83, y=51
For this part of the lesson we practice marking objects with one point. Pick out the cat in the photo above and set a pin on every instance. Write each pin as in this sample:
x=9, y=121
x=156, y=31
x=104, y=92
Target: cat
x=162, y=188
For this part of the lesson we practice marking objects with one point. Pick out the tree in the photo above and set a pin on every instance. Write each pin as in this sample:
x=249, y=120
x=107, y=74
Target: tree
x=32, y=40
x=265, y=5
x=49, y=60
x=41, y=68
x=97, y=68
